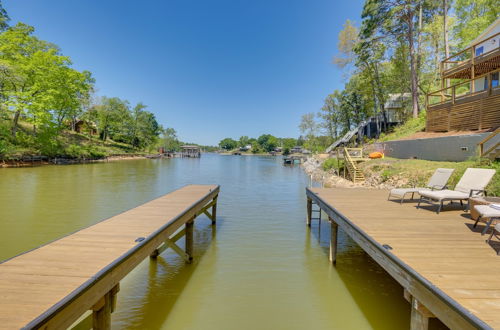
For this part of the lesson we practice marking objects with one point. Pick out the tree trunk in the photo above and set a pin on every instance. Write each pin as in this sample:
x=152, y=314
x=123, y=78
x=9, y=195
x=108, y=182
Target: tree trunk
x=413, y=72
x=445, y=34
x=445, y=29
x=15, y=123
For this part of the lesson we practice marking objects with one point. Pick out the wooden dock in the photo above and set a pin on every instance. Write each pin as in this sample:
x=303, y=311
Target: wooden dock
x=52, y=286
x=445, y=266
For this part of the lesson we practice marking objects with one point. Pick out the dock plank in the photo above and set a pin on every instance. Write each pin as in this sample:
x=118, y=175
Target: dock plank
x=443, y=248
x=39, y=280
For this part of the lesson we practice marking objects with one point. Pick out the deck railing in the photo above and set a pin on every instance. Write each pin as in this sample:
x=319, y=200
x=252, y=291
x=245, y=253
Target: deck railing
x=464, y=89
x=467, y=56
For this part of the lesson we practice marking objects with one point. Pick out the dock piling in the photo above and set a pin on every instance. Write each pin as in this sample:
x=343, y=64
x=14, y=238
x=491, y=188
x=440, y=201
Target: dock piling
x=309, y=212
x=189, y=240
x=333, y=241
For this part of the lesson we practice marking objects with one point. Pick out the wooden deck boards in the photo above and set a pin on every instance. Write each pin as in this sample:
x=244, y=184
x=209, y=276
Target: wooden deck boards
x=34, y=282
x=442, y=248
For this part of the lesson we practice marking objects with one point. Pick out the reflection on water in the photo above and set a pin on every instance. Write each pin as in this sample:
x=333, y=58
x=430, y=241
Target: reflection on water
x=259, y=268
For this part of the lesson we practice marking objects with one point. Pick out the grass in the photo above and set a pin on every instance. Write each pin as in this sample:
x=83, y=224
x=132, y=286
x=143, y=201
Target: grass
x=416, y=172
x=411, y=126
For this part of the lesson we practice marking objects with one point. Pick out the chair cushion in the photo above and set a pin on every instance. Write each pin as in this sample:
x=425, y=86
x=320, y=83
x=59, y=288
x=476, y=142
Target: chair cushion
x=439, y=195
x=402, y=191
x=487, y=212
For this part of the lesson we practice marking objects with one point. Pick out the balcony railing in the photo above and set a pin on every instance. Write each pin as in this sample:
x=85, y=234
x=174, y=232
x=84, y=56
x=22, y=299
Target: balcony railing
x=463, y=64
x=486, y=84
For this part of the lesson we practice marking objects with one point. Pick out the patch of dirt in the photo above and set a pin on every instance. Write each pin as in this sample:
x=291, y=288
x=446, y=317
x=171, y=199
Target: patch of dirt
x=428, y=135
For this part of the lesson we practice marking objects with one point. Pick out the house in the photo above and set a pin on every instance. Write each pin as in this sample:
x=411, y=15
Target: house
x=246, y=148
x=296, y=150
x=83, y=126
x=396, y=107
x=469, y=98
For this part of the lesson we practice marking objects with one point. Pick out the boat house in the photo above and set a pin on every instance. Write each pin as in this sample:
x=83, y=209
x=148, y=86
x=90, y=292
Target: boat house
x=469, y=98
x=190, y=151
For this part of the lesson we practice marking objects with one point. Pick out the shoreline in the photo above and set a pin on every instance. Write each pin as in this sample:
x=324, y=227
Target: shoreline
x=44, y=161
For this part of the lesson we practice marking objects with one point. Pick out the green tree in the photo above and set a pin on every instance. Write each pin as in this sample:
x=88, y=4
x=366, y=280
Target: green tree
x=169, y=140
x=243, y=141
x=473, y=17
x=228, y=144
x=267, y=142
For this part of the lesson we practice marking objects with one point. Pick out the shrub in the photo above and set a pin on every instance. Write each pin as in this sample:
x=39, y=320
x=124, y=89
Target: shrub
x=332, y=163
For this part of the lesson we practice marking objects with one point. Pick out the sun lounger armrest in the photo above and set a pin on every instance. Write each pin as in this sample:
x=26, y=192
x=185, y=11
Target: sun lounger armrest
x=479, y=191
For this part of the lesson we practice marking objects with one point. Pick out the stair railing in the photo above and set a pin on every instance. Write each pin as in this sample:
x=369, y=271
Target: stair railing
x=481, y=144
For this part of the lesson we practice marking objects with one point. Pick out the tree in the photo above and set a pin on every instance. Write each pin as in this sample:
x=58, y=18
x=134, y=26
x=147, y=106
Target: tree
x=243, y=141
x=308, y=125
x=4, y=18
x=398, y=19
x=169, y=139
x=473, y=16
x=267, y=142
x=329, y=116
x=228, y=144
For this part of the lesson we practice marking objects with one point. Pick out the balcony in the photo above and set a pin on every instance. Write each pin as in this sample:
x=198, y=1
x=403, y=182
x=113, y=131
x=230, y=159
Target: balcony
x=470, y=105
x=477, y=60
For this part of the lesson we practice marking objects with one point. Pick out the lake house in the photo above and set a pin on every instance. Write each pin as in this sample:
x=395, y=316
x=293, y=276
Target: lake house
x=469, y=98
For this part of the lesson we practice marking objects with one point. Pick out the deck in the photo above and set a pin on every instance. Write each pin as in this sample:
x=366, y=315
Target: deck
x=444, y=265
x=52, y=286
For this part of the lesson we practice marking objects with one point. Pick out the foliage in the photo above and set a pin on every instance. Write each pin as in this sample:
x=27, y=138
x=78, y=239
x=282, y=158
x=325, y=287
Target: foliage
x=41, y=90
x=332, y=163
x=396, y=49
x=228, y=144
x=410, y=127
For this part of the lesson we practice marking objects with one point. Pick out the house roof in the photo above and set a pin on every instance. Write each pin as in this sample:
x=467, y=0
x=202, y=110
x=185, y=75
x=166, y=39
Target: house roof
x=189, y=147
x=485, y=32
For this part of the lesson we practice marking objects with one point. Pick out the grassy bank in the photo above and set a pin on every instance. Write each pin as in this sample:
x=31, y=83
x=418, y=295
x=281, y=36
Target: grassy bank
x=416, y=172
x=67, y=144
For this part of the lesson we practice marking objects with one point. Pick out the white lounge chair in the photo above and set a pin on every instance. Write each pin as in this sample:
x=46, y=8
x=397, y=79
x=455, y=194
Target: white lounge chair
x=486, y=212
x=437, y=181
x=471, y=184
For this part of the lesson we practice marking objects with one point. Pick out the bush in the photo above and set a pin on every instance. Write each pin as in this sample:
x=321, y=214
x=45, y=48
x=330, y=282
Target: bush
x=332, y=163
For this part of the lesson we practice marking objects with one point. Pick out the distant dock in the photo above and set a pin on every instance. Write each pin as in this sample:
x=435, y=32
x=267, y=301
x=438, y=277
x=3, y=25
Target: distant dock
x=293, y=159
x=444, y=265
x=53, y=286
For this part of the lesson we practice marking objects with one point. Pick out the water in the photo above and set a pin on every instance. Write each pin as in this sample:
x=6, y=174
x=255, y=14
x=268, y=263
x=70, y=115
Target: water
x=260, y=268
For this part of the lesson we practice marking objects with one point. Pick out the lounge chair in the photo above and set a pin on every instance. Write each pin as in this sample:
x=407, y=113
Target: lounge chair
x=437, y=182
x=471, y=184
x=487, y=212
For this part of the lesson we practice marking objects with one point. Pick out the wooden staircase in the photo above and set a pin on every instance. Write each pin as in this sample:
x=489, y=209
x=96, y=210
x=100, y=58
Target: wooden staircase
x=490, y=146
x=351, y=157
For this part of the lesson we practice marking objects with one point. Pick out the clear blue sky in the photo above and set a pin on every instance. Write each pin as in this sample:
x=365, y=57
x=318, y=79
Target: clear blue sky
x=208, y=68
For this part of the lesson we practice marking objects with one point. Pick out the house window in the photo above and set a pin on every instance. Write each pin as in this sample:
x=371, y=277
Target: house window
x=494, y=79
x=479, y=50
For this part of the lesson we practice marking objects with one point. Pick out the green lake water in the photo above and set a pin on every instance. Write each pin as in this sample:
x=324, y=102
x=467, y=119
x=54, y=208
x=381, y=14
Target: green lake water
x=259, y=268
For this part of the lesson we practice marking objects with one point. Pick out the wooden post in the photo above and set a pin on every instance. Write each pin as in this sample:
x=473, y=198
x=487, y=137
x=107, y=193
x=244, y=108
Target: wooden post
x=333, y=241
x=472, y=72
x=101, y=313
x=214, y=212
x=114, y=294
x=309, y=212
x=189, y=240
x=419, y=316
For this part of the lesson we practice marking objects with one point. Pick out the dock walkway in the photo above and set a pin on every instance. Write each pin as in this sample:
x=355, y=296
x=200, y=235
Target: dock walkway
x=444, y=265
x=52, y=286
